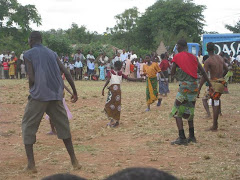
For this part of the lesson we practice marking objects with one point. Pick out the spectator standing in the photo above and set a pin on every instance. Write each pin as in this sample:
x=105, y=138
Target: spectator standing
x=90, y=58
x=78, y=69
x=23, y=70
x=5, y=68
x=12, y=68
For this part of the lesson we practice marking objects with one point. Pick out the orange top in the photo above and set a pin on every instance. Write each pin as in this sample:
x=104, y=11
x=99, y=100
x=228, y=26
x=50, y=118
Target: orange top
x=152, y=70
x=131, y=67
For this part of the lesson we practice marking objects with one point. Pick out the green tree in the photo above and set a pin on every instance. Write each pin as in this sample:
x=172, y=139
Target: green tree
x=123, y=33
x=234, y=29
x=171, y=18
x=15, y=20
x=14, y=14
x=57, y=41
x=80, y=34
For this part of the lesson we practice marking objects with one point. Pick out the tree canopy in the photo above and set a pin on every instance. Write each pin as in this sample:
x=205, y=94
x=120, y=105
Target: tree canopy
x=15, y=21
x=172, y=18
x=234, y=29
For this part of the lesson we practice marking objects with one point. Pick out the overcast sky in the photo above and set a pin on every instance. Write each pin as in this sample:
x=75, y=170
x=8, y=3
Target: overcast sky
x=97, y=15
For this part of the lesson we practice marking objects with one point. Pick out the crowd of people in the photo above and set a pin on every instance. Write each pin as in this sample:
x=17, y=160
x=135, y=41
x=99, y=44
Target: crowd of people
x=45, y=69
x=11, y=66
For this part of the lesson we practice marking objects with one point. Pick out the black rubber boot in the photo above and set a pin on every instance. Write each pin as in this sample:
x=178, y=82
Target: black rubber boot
x=191, y=137
x=181, y=140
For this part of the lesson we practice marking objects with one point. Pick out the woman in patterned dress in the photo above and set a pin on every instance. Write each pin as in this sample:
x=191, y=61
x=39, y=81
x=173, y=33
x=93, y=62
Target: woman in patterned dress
x=113, y=103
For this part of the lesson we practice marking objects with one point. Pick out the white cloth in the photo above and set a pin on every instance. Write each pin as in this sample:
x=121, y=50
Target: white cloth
x=115, y=79
x=134, y=56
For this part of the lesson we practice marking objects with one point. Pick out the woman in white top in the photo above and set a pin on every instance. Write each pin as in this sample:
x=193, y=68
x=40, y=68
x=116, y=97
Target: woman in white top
x=113, y=103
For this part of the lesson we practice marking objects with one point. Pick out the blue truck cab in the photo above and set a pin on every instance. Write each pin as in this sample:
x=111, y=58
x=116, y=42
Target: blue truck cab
x=192, y=48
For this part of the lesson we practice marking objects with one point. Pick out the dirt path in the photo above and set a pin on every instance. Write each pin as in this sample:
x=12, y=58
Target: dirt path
x=143, y=139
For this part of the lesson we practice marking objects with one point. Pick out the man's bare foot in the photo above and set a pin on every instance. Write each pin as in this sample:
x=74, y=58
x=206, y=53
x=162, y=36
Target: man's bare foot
x=76, y=165
x=31, y=170
x=208, y=116
x=213, y=129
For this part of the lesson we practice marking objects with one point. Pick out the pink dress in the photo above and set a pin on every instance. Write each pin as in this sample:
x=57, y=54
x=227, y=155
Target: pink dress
x=127, y=69
x=69, y=114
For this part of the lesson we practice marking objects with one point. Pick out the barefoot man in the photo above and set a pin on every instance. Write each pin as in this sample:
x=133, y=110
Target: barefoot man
x=46, y=94
x=185, y=66
x=218, y=69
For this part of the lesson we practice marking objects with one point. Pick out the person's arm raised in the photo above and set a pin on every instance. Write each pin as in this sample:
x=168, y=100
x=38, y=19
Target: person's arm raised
x=69, y=79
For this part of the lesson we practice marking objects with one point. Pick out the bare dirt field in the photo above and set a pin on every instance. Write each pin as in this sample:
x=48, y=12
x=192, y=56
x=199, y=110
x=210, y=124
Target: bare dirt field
x=142, y=139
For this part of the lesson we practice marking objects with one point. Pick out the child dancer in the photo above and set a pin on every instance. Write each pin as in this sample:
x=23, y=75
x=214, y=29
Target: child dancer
x=69, y=114
x=150, y=70
x=164, y=65
x=113, y=103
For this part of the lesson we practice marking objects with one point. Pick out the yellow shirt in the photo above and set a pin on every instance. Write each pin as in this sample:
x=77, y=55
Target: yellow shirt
x=152, y=70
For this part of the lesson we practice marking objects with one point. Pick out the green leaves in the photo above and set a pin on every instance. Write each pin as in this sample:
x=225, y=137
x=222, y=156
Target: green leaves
x=234, y=29
x=14, y=14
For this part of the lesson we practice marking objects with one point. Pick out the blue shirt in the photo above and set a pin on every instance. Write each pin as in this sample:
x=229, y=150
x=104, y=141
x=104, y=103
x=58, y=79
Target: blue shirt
x=91, y=66
x=48, y=83
x=78, y=64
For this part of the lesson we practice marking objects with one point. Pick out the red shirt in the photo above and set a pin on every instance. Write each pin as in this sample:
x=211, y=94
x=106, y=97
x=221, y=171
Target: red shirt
x=187, y=62
x=131, y=67
x=5, y=66
x=164, y=65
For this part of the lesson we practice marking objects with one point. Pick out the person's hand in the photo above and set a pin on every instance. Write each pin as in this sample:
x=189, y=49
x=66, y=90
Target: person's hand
x=103, y=92
x=74, y=98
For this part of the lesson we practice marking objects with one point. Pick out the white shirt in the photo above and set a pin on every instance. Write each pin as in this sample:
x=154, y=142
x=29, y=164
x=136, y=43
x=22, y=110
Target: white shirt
x=21, y=57
x=71, y=66
x=8, y=57
x=103, y=60
x=123, y=57
x=89, y=56
x=134, y=56
x=1, y=57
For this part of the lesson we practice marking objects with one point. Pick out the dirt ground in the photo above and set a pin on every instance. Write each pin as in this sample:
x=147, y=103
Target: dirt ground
x=142, y=139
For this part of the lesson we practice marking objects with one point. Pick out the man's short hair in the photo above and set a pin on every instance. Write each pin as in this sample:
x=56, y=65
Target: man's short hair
x=36, y=36
x=162, y=56
x=210, y=46
x=182, y=42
